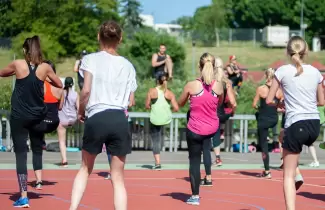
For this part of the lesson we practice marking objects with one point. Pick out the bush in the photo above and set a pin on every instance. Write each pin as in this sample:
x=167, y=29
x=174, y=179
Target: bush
x=51, y=48
x=5, y=94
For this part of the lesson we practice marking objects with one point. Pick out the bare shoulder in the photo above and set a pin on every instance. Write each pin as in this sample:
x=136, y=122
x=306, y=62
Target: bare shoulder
x=169, y=94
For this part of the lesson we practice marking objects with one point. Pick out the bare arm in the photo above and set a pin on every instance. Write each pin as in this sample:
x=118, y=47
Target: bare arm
x=229, y=70
x=148, y=99
x=132, y=100
x=272, y=92
x=85, y=94
x=173, y=101
x=256, y=98
x=154, y=62
x=76, y=65
x=184, y=96
x=61, y=101
x=320, y=95
x=77, y=102
x=231, y=95
x=54, y=79
x=8, y=70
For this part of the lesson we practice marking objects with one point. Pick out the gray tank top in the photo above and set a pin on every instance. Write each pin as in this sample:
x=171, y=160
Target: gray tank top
x=69, y=108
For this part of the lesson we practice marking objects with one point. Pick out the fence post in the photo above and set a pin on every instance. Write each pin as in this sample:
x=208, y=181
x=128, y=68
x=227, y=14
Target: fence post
x=176, y=135
x=245, y=136
x=230, y=36
x=8, y=137
x=241, y=136
x=171, y=133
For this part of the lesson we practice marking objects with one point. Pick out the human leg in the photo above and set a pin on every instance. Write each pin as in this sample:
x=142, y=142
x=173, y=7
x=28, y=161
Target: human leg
x=194, y=149
x=62, y=143
x=207, y=181
x=262, y=140
x=156, y=138
x=216, y=141
x=81, y=179
x=315, y=162
x=19, y=138
x=36, y=140
x=117, y=178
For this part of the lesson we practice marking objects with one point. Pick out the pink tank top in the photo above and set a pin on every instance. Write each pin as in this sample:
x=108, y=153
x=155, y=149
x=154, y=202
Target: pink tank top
x=203, y=118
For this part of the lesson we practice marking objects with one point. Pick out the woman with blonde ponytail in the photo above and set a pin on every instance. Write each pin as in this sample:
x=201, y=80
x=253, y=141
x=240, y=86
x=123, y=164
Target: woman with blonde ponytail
x=157, y=101
x=267, y=117
x=203, y=94
x=303, y=92
x=226, y=108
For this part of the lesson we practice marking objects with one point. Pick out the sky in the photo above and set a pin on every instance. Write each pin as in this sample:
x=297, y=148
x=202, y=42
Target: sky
x=165, y=11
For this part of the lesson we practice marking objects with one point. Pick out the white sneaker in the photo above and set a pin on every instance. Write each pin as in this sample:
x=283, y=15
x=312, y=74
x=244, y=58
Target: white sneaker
x=314, y=164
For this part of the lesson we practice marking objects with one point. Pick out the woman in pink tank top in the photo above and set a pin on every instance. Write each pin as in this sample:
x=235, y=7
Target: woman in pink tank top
x=203, y=122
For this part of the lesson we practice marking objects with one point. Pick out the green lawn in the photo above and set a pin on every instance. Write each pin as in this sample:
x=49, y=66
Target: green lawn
x=254, y=58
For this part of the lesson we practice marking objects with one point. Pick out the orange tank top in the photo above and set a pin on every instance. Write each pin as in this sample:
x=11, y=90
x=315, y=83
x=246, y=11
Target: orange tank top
x=48, y=96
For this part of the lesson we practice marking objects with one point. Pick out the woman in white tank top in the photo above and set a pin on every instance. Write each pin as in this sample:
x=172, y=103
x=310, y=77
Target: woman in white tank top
x=68, y=115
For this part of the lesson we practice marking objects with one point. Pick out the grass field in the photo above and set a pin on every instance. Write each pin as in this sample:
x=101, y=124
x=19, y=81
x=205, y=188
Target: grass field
x=254, y=58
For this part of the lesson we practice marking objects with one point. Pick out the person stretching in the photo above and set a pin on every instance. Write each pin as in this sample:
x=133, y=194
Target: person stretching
x=203, y=95
x=28, y=109
x=303, y=92
x=267, y=118
x=228, y=102
x=109, y=80
x=68, y=116
x=157, y=101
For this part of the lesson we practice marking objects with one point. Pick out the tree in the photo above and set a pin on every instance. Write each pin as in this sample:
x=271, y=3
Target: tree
x=131, y=10
x=207, y=20
x=72, y=25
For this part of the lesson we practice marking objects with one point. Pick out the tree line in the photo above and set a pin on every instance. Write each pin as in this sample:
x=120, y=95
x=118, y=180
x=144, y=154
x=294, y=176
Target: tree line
x=254, y=14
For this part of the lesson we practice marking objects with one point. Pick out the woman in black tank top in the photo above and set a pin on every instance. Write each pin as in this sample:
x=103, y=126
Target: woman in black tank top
x=28, y=109
x=267, y=117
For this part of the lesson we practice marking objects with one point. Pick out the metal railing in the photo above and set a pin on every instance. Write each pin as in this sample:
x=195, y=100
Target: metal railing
x=140, y=127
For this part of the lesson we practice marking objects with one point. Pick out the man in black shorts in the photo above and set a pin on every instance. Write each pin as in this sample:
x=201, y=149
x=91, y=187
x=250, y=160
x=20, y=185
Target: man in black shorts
x=161, y=62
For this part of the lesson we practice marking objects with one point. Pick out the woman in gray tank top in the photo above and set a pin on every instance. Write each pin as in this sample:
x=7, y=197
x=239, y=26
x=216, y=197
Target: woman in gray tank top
x=68, y=115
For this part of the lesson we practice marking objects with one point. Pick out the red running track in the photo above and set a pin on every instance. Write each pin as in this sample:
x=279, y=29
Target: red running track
x=161, y=190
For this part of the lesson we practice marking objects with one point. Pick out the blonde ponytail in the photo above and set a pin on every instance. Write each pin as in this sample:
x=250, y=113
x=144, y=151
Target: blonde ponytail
x=297, y=48
x=296, y=60
x=207, y=68
x=269, y=74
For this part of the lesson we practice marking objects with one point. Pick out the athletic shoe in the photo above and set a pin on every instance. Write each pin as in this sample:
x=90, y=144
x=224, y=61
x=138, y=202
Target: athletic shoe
x=38, y=185
x=64, y=165
x=217, y=162
x=108, y=176
x=22, y=203
x=193, y=200
x=157, y=167
x=322, y=145
x=299, y=181
x=265, y=175
x=206, y=183
x=314, y=164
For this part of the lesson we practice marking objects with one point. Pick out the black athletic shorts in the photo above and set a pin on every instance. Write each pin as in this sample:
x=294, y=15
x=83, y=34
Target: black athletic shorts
x=109, y=127
x=304, y=132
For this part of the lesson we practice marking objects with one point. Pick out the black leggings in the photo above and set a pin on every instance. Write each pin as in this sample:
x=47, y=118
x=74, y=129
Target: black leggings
x=263, y=127
x=36, y=130
x=196, y=144
x=156, y=132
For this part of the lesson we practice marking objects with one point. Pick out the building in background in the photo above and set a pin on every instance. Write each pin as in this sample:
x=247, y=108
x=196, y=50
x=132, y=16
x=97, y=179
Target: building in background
x=171, y=29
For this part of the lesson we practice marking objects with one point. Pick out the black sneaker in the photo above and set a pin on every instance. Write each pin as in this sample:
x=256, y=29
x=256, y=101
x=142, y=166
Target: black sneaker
x=265, y=175
x=38, y=185
x=206, y=183
x=157, y=167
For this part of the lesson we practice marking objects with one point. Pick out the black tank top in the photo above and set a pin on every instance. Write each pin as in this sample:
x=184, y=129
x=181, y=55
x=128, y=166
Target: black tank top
x=161, y=67
x=27, y=100
x=267, y=111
